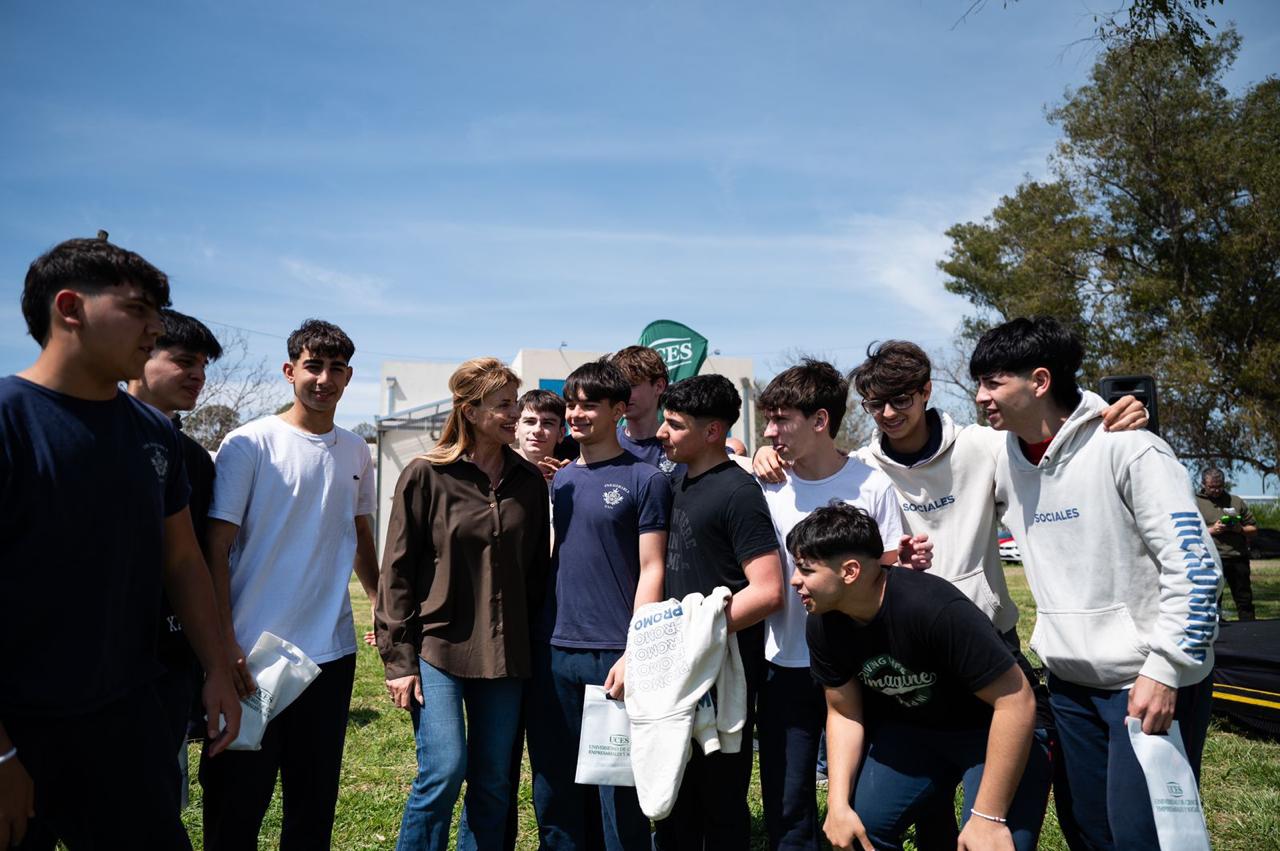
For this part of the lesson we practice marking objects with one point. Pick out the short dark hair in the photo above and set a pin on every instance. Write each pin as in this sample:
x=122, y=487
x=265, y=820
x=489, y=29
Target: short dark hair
x=597, y=381
x=544, y=402
x=640, y=364
x=187, y=332
x=1022, y=345
x=87, y=266
x=810, y=386
x=704, y=397
x=1213, y=473
x=892, y=368
x=837, y=529
x=321, y=338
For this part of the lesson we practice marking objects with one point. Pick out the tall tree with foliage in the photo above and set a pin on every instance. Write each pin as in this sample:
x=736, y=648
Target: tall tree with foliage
x=1158, y=239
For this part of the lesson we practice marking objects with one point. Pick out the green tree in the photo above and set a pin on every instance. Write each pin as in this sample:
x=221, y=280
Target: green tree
x=209, y=424
x=1158, y=238
x=1182, y=23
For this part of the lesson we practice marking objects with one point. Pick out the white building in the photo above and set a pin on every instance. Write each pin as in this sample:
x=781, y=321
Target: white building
x=415, y=403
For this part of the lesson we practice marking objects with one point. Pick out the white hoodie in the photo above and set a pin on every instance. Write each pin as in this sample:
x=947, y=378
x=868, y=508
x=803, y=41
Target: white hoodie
x=1125, y=579
x=950, y=496
x=676, y=650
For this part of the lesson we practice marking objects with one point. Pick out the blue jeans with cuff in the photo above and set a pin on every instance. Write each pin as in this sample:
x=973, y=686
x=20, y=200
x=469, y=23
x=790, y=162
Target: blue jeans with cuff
x=452, y=748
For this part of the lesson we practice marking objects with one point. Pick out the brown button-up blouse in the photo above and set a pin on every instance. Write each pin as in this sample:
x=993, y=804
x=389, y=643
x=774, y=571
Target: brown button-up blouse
x=464, y=569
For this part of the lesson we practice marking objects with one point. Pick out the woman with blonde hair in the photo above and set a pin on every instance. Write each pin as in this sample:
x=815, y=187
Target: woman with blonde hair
x=464, y=567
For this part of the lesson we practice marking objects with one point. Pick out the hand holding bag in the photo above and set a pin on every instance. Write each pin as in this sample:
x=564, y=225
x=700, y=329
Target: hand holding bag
x=604, y=747
x=1175, y=798
x=281, y=671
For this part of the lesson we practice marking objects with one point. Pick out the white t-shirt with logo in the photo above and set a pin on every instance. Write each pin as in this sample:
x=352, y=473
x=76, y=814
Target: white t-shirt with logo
x=295, y=496
x=793, y=500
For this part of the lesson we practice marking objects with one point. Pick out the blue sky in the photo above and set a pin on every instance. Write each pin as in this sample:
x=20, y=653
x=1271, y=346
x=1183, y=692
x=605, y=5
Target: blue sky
x=448, y=180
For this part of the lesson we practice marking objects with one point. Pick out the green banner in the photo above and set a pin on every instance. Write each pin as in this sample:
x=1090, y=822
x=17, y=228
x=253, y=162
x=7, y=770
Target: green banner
x=682, y=348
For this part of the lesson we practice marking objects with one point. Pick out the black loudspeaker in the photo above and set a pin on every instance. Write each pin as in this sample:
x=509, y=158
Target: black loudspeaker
x=1142, y=387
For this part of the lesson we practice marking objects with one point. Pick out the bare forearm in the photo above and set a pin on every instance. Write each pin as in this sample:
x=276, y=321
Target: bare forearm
x=844, y=756
x=218, y=556
x=1008, y=744
x=762, y=596
x=653, y=562
x=366, y=564
x=750, y=606
x=649, y=587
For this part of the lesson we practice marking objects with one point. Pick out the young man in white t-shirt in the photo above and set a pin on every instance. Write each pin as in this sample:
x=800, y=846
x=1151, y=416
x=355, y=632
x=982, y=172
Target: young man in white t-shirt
x=804, y=406
x=291, y=514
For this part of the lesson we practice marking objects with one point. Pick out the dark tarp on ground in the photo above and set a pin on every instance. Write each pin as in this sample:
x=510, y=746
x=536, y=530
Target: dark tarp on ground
x=1246, y=674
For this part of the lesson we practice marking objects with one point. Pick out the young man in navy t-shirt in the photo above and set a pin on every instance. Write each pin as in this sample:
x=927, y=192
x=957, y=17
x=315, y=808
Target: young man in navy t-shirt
x=93, y=521
x=610, y=516
x=922, y=693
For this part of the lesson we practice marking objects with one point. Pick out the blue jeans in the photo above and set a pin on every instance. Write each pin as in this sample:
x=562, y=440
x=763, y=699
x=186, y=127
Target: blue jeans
x=450, y=751
x=791, y=710
x=906, y=766
x=1101, y=781
x=570, y=815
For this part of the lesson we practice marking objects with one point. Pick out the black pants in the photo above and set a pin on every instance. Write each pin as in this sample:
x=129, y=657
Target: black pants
x=711, y=809
x=304, y=746
x=103, y=780
x=1236, y=570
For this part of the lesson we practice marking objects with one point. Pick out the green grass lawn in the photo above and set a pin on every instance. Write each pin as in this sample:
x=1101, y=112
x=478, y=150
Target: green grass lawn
x=1241, y=782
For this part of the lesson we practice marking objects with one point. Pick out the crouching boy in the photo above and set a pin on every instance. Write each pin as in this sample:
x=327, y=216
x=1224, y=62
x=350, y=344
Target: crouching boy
x=922, y=694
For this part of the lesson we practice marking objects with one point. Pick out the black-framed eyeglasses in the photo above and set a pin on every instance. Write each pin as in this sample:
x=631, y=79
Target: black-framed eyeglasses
x=898, y=403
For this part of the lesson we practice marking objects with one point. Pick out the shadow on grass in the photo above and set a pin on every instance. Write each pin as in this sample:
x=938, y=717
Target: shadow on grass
x=361, y=716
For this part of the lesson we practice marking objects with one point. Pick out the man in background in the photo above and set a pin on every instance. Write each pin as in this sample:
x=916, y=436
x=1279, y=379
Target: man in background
x=1231, y=524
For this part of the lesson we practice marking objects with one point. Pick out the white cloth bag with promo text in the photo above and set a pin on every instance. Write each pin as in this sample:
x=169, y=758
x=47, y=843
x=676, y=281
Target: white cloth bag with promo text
x=1175, y=799
x=282, y=672
x=604, y=747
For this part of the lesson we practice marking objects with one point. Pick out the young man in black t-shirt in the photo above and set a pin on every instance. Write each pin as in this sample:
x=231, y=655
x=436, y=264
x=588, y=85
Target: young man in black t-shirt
x=93, y=520
x=171, y=382
x=721, y=534
x=922, y=693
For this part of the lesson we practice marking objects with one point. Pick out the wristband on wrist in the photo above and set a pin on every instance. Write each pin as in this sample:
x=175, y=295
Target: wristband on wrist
x=5, y=757
x=995, y=819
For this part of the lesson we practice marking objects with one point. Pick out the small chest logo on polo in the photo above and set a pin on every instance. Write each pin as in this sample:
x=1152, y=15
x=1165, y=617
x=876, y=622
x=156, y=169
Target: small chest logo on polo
x=666, y=465
x=1056, y=516
x=931, y=505
x=159, y=459
x=890, y=677
x=614, y=495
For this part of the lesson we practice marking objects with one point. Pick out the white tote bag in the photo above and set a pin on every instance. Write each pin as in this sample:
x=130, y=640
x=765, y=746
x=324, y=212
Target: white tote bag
x=604, y=748
x=281, y=671
x=1175, y=799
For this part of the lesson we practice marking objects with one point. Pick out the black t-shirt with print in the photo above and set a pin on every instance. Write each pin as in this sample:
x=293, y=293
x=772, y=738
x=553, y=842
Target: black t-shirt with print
x=920, y=659
x=719, y=520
